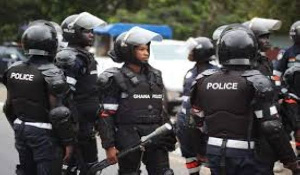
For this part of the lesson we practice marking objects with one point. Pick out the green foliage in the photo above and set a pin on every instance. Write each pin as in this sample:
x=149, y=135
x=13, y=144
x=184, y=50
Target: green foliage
x=187, y=17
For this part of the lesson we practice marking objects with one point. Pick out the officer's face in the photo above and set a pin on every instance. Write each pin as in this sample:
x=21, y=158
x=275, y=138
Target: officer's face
x=264, y=43
x=142, y=52
x=191, y=56
x=87, y=37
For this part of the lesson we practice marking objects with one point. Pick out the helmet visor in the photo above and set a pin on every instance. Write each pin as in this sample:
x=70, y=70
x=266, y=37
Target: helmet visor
x=138, y=36
x=88, y=21
x=217, y=33
x=190, y=44
x=269, y=24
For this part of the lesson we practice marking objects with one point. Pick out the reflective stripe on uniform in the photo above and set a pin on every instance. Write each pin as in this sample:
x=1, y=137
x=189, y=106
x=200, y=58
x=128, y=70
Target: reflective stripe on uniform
x=278, y=83
x=94, y=72
x=183, y=110
x=238, y=144
x=273, y=110
x=110, y=106
x=35, y=124
x=71, y=80
x=259, y=113
x=124, y=95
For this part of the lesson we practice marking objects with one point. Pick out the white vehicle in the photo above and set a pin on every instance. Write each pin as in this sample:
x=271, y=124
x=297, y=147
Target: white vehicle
x=170, y=58
x=106, y=62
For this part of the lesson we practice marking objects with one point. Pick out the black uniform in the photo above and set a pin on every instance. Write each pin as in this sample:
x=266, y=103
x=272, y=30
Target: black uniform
x=35, y=91
x=132, y=106
x=39, y=150
x=234, y=106
x=290, y=105
x=201, y=53
x=264, y=65
x=80, y=69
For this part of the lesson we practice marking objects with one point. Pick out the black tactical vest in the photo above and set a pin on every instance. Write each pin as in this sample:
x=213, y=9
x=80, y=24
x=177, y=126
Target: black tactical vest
x=86, y=89
x=27, y=90
x=141, y=97
x=226, y=99
x=264, y=65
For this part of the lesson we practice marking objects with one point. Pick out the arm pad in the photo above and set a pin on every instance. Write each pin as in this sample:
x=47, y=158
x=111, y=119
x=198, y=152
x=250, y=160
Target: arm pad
x=106, y=131
x=60, y=117
x=278, y=139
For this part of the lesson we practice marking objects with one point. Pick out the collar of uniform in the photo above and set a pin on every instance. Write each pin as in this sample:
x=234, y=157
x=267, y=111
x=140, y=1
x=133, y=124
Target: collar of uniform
x=130, y=74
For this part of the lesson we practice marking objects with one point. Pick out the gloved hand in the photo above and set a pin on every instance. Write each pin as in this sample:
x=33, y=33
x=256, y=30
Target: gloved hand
x=294, y=167
x=168, y=141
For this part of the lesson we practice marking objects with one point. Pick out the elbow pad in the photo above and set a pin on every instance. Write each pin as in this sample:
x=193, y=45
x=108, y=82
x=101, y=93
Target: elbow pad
x=278, y=139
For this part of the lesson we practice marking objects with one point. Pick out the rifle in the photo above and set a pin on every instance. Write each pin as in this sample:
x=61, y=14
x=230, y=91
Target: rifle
x=145, y=141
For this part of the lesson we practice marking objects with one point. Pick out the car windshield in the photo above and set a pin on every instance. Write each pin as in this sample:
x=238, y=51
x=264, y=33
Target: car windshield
x=167, y=52
x=7, y=52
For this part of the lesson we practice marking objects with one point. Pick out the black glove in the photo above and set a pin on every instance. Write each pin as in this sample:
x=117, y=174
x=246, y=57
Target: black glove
x=167, y=141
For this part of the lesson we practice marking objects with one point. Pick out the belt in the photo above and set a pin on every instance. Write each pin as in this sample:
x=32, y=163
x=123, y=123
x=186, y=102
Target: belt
x=238, y=144
x=35, y=124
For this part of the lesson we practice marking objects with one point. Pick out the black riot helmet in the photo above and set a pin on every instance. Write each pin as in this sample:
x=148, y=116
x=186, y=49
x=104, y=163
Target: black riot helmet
x=125, y=44
x=40, y=40
x=57, y=28
x=73, y=26
x=237, y=45
x=295, y=32
x=202, y=48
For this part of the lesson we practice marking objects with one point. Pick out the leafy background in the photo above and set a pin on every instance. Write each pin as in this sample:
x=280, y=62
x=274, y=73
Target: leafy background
x=186, y=17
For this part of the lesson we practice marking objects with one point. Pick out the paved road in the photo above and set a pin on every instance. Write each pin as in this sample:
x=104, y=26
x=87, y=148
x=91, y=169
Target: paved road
x=9, y=156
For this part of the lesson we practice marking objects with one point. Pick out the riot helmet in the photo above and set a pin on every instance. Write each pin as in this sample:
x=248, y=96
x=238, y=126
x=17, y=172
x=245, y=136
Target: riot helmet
x=262, y=28
x=40, y=40
x=216, y=34
x=237, y=45
x=295, y=32
x=125, y=44
x=76, y=25
x=201, y=48
x=57, y=28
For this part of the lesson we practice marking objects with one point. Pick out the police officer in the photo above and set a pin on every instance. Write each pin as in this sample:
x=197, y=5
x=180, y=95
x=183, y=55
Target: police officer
x=234, y=105
x=132, y=105
x=261, y=27
x=35, y=90
x=290, y=104
x=263, y=63
x=201, y=51
x=80, y=69
x=291, y=56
